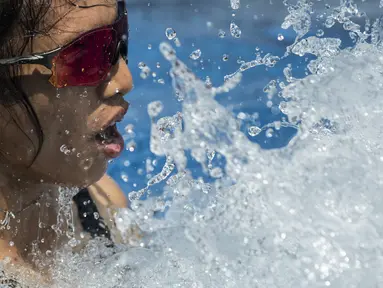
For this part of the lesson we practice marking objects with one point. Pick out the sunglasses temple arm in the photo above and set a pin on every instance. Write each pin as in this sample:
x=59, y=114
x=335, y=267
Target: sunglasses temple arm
x=41, y=59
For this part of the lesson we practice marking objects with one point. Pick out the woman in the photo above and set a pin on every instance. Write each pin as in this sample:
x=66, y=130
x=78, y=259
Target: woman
x=63, y=76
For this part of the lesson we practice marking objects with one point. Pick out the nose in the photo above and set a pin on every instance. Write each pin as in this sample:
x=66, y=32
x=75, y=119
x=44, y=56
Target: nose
x=119, y=81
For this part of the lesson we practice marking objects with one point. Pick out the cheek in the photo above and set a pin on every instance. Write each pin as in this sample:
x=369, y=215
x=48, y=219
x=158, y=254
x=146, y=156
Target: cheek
x=67, y=138
x=63, y=117
x=19, y=141
x=64, y=123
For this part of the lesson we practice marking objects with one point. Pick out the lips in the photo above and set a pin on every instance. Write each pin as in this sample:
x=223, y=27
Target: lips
x=108, y=139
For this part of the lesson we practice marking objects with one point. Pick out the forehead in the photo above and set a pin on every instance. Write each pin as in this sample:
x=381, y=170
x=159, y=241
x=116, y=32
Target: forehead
x=72, y=21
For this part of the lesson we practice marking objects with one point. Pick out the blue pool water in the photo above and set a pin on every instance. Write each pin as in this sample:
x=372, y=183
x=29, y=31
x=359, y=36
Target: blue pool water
x=197, y=24
x=190, y=19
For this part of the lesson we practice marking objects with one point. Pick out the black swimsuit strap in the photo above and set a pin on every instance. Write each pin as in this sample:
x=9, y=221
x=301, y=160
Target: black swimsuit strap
x=90, y=218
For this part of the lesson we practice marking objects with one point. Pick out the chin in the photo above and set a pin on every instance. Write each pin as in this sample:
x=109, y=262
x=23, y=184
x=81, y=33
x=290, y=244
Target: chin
x=80, y=177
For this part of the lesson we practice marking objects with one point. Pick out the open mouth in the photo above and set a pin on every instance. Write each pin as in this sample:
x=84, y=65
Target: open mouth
x=110, y=141
x=107, y=136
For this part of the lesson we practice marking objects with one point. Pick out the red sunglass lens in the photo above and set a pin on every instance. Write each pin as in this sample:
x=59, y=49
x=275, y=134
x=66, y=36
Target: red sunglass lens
x=86, y=61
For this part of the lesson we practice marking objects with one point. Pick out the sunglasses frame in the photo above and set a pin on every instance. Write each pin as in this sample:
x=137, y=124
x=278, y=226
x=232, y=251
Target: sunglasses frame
x=47, y=58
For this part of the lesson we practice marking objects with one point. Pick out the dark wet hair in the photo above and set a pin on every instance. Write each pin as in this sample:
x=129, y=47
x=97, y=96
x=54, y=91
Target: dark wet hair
x=20, y=21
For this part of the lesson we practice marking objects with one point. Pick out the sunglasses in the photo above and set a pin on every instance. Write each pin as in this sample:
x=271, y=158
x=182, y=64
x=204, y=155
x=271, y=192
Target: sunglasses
x=87, y=60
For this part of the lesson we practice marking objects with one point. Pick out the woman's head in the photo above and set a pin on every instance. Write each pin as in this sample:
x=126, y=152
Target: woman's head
x=47, y=133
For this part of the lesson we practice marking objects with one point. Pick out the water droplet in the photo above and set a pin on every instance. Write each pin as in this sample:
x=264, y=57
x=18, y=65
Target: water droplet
x=129, y=128
x=155, y=108
x=11, y=243
x=131, y=146
x=48, y=253
x=96, y=215
x=72, y=242
x=277, y=125
x=149, y=46
x=216, y=172
x=67, y=132
x=235, y=4
x=177, y=42
x=235, y=30
x=124, y=177
x=269, y=133
x=208, y=82
x=170, y=33
x=330, y=21
x=141, y=65
x=280, y=37
x=195, y=54
x=221, y=34
x=144, y=74
x=84, y=94
x=161, y=81
x=320, y=33
x=158, y=65
x=63, y=148
x=254, y=131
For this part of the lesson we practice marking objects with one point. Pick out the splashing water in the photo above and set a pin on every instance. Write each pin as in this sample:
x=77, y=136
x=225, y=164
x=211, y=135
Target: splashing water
x=307, y=215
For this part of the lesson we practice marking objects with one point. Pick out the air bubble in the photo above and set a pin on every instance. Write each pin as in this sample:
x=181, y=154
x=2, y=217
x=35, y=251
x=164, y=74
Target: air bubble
x=280, y=37
x=225, y=57
x=221, y=34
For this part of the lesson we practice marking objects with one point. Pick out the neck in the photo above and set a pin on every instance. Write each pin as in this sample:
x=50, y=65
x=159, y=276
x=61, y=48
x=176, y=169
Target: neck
x=37, y=227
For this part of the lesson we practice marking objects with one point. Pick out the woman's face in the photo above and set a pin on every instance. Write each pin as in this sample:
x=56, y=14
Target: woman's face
x=70, y=117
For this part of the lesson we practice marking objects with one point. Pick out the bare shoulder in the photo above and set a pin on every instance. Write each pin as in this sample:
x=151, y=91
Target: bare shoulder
x=107, y=193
